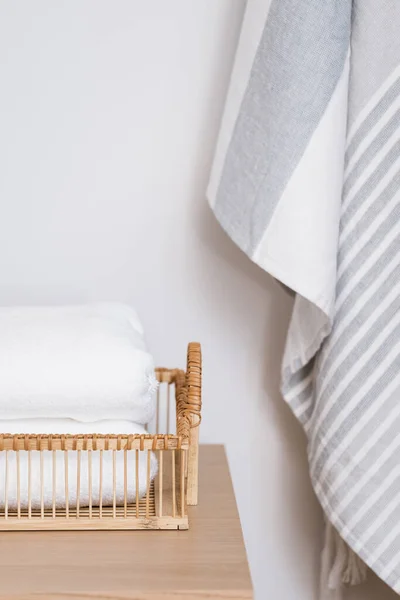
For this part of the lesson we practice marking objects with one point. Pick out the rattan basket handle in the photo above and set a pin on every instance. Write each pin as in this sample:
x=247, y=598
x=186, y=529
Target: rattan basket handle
x=193, y=409
x=193, y=383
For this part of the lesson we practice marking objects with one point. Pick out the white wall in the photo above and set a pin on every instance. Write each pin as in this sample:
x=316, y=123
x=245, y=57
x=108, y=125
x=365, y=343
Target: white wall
x=109, y=111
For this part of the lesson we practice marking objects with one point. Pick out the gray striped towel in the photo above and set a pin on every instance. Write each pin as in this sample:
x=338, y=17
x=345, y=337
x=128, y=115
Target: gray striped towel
x=306, y=180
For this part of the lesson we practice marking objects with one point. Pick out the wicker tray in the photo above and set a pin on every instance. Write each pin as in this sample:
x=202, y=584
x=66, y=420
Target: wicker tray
x=174, y=488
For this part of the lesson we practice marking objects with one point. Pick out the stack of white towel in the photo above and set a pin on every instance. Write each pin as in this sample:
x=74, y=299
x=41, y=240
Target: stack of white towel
x=76, y=369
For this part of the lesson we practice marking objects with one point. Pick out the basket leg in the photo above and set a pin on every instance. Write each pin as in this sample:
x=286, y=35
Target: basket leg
x=193, y=468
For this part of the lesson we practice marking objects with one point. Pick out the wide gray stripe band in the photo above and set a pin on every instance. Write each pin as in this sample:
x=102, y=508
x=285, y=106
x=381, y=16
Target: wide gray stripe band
x=296, y=69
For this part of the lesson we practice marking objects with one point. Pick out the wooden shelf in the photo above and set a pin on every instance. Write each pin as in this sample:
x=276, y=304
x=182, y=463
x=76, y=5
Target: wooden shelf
x=207, y=562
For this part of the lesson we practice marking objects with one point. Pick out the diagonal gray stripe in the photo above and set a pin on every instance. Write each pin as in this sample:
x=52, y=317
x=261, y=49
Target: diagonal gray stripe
x=328, y=356
x=357, y=355
x=297, y=66
x=368, y=461
x=373, y=117
x=370, y=153
x=303, y=397
x=368, y=279
x=305, y=416
x=371, y=247
x=330, y=353
x=301, y=374
x=371, y=183
x=375, y=513
x=392, y=551
x=360, y=226
x=377, y=388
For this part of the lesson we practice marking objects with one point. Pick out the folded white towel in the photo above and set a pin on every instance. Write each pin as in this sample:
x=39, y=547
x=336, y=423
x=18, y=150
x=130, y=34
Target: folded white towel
x=81, y=362
x=69, y=426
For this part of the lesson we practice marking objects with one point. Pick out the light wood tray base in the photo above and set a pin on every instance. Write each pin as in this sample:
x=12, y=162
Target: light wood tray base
x=146, y=519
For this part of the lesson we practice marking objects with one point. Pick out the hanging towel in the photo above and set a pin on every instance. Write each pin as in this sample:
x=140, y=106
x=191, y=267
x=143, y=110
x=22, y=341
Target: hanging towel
x=306, y=181
x=86, y=362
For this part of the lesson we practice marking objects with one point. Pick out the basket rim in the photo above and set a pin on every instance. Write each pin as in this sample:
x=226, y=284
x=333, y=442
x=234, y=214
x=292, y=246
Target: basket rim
x=91, y=442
